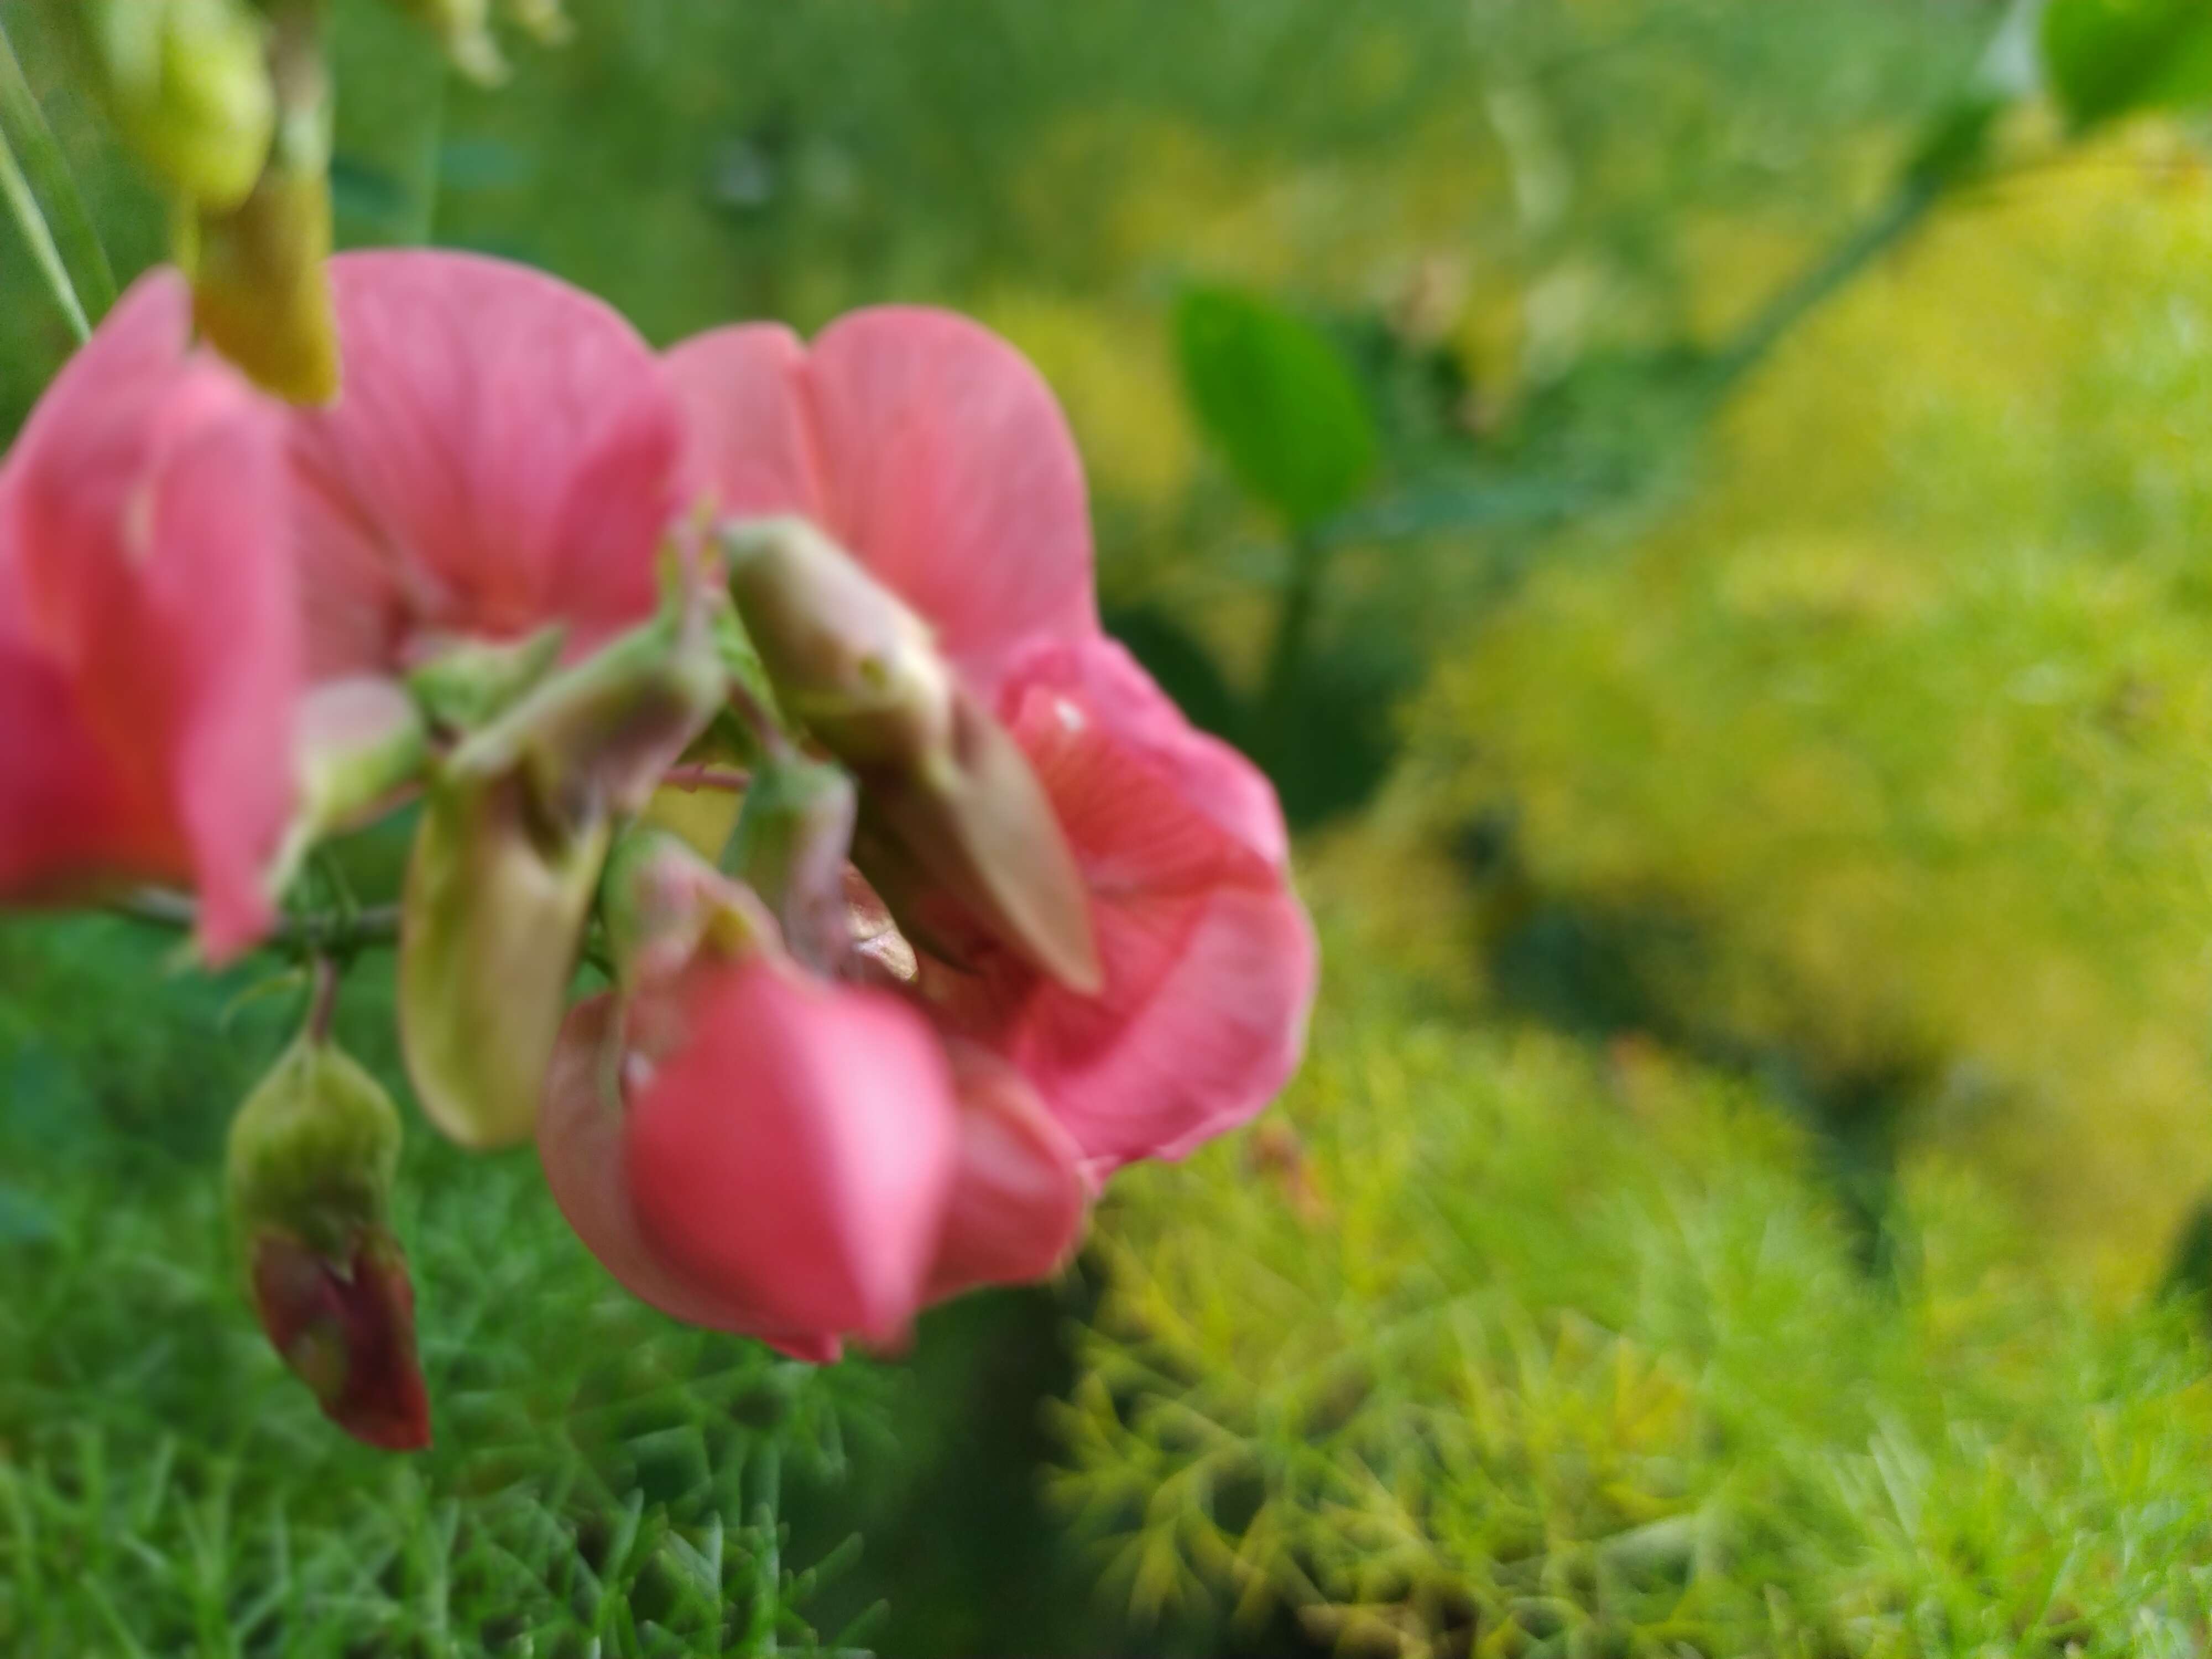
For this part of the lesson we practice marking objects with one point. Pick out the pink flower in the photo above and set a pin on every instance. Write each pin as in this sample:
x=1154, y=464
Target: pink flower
x=150, y=651
x=779, y=1158
x=1210, y=962
x=502, y=457
x=1019, y=1197
x=933, y=453
x=921, y=442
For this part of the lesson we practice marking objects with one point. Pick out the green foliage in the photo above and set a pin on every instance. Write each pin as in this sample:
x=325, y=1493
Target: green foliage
x=603, y=1481
x=1497, y=1346
x=1273, y=394
x=2112, y=58
x=1873, y=765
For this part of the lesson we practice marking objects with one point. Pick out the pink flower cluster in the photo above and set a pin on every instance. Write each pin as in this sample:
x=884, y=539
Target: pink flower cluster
x=186, y=567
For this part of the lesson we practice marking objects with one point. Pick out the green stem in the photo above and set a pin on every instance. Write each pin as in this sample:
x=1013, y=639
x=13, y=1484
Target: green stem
x=330, y=933
x=1286, y=656
x=1899, y=217
x=86, y=282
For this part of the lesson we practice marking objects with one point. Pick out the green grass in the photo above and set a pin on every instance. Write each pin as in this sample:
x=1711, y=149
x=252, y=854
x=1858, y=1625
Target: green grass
x=604, y=1481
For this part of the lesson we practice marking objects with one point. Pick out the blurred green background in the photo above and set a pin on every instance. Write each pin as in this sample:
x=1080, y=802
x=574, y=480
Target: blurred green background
x=1702, y=514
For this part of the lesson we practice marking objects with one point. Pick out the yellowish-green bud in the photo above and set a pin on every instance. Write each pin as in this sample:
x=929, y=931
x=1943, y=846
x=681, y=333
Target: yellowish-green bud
x=312, y=1157
x=260, y=295
x=497, y=895
x=848, y=658
x=972, y=824
x=189, y=83
x=794, y=839
x=950, y=807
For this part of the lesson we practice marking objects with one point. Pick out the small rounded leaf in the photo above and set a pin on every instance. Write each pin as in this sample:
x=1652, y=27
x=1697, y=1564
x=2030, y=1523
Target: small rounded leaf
x=2108, y=58
x=1278, y=400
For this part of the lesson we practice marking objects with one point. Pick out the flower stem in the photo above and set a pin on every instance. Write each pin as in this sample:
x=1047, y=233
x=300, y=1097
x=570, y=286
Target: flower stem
x=724, y=780
x=1276, y=728
x=322, y=998
x=327, y=932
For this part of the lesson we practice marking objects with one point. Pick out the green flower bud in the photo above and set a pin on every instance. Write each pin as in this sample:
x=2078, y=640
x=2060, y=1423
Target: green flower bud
x=847, y=657
x=189, y=83
x=312, y=1157
x=498, y=891
x=596, y=736
x=949, y=806
x=972, y=825
x=259, y=293
x=794, y=838
x=467, y=684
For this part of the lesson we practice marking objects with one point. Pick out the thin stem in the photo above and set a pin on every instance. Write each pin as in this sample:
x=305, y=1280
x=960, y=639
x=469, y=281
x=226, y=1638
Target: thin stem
x=1286, y=656
x=72, y=240
x=322, y=999
x=324, y=933
x=1899, y=217
x=725, y=780
x=774, y=742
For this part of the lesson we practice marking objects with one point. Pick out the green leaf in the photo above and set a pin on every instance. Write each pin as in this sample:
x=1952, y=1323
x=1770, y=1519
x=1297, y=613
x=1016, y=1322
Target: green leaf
x=2107, y=59
x=1274, y=393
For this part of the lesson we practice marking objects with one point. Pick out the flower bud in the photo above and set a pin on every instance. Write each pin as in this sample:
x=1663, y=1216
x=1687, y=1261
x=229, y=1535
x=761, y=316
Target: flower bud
x=597, y=736
x=795, y=1151
x=973, y=827
x=462, y=685
x=497, y=893
x=793, y=840
x=189, y=83
x=312, y=1155
x=259, y=292
x=847, y=657
x=951, y=805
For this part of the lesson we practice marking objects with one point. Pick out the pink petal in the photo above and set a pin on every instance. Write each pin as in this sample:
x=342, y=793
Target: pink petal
x=143, y=528
x=796, y=1152
x=66, y=816
x=1208, y=774
x=502, y=456
x=1210, y=962
x=925, y=445
x=579, y=1143
x=750, y=440
x=1019, y=1195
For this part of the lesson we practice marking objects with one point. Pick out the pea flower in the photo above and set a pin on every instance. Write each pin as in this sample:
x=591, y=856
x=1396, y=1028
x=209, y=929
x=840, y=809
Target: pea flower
x=934, y=454
x=742, y=1143
x=489, y=501
x=150, y=628
x=502, y=460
